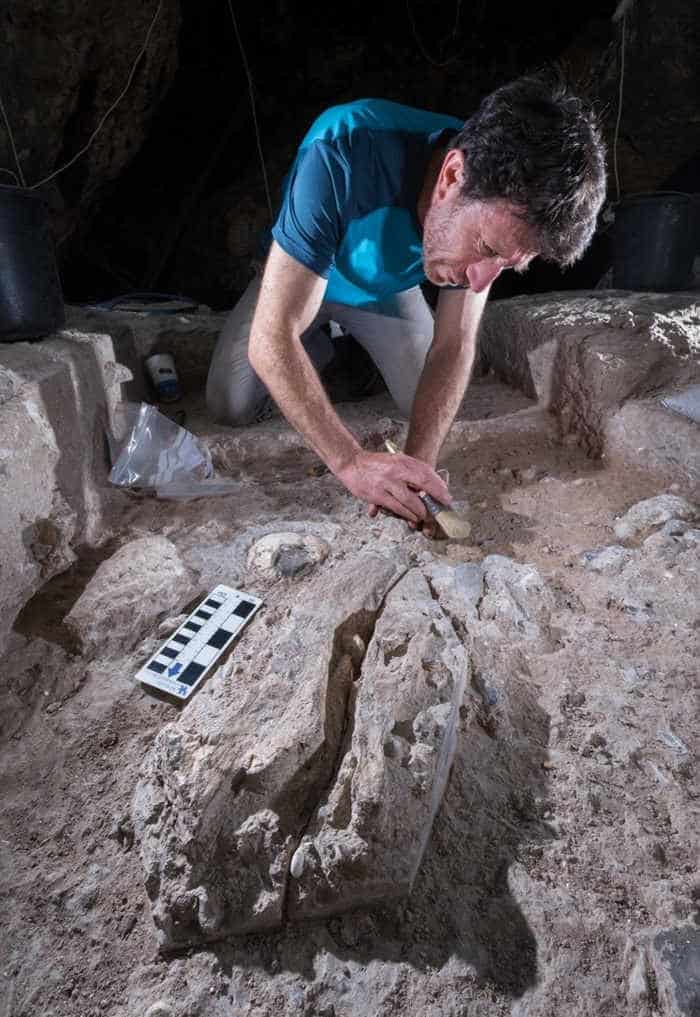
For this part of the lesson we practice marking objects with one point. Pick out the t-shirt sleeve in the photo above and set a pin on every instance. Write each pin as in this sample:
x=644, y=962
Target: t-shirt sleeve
x=309, y=224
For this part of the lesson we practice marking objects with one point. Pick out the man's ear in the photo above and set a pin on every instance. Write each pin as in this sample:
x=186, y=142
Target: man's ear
x=451, y=176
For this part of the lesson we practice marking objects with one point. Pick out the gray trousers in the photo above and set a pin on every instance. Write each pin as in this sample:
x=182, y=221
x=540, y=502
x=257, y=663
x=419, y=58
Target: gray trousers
x=397, y=336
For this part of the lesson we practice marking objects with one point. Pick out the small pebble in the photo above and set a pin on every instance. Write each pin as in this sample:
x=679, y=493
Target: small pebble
x=126, y=925
x=159, y=1009
x=296, y=868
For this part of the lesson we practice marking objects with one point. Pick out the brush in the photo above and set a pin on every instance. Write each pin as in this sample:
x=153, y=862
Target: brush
x=453, y=525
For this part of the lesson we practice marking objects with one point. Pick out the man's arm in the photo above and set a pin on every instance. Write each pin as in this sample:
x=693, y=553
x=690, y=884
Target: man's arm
x=290, y=297
x=446, y=372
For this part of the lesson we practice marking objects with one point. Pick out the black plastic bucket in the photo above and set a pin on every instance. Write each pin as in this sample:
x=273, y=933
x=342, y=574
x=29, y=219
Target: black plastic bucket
x=654, y=241
x=31, y=301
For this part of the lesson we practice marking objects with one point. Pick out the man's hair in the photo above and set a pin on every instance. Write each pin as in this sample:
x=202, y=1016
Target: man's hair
x=535, y=144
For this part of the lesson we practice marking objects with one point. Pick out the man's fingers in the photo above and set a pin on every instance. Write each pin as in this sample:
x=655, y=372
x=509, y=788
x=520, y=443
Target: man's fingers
x=393, y=482
x=410, y=501
x=421, y=477
x=395, y=506
x=437, y=489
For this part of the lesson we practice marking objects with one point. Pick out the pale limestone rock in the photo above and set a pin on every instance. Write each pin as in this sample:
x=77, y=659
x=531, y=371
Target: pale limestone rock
x=636, y=590
x=287, y=554
x=637, y=984
x=129, y=595
x=516, y=600
x=228, y=790
x=609, y=560
x=591, y=357
x=368, y=835
x=654, y=512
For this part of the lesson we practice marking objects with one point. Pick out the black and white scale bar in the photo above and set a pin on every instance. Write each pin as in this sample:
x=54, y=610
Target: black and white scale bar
x=185, y=659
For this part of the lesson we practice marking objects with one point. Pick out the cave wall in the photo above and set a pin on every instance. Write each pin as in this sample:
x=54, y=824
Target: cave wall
x=66, y=61
x=171, y=196
x=660, y=118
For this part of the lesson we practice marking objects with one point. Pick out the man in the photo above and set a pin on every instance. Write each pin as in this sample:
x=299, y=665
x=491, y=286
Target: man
x=381, y=197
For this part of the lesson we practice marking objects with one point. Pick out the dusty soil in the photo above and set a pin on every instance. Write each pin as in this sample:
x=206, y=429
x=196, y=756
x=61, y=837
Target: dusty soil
x=566, y=834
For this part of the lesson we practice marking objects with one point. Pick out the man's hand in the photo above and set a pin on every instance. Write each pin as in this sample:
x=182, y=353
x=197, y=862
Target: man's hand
x=391, y=482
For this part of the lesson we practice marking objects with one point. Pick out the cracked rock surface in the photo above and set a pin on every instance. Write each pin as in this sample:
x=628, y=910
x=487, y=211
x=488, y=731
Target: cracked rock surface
x=313, y=791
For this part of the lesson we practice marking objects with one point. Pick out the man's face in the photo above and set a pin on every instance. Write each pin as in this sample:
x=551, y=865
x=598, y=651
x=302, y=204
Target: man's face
x=471, y=244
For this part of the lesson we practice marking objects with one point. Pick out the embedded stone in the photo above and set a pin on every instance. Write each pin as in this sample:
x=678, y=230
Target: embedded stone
x=608, y=560
x=654, y=512
x=367, y=837
x=129, y=594
x=287, y=554
x=228, y=789
x=675, y=959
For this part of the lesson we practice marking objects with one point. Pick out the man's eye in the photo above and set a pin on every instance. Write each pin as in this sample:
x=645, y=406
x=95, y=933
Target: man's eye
x=488, y=251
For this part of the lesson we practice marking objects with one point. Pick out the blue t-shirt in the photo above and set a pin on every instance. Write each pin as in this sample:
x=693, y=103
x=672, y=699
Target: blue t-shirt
x=349, y=204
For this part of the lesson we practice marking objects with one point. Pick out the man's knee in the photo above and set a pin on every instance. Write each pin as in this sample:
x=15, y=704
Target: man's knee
x=226, y=406
x=404, y=404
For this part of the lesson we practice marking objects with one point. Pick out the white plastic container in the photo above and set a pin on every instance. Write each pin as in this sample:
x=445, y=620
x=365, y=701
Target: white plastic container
x=161, y=370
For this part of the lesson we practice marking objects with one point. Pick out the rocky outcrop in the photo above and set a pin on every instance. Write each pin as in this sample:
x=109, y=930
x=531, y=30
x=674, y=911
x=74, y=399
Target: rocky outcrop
x=227, y=793
x=53, y=463
x=368, y=833
x=311, y=790
x=659, y=129
x=58, y=399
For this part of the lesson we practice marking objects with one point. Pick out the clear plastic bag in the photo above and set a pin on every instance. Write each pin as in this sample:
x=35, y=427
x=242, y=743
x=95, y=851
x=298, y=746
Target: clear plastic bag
x=155, y=453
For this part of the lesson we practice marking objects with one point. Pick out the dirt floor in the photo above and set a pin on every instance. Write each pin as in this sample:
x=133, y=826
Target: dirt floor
x=569, y=831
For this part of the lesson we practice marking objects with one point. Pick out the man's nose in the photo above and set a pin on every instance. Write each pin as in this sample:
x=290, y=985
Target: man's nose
x=482, y=273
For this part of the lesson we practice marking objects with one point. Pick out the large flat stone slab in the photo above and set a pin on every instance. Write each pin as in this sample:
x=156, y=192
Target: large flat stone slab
x=304, y=781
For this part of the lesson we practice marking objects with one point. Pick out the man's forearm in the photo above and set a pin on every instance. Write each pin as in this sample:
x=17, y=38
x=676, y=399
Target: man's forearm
x=440, y=391
x=283, y=365
x=290, y=297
